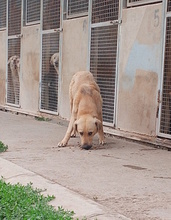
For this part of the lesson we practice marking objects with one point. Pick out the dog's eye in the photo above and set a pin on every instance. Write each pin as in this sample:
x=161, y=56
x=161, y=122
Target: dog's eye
x=90, y=133
x=81, y=133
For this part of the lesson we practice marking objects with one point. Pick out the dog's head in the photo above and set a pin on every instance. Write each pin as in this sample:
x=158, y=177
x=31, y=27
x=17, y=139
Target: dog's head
x=14, y=62
x=55, y=61
x=87, y=126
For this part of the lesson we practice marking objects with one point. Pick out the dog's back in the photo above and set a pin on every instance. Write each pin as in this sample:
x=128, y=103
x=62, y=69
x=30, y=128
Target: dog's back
x=83, y=81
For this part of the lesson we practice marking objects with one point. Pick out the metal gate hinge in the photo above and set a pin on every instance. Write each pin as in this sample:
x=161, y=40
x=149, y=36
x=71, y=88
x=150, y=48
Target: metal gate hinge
x=58, y=30
x=158, y=103
x=116, y=22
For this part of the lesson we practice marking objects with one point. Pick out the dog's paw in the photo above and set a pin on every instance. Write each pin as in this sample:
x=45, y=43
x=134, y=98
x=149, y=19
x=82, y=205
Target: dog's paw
x=62, y=144
x=102, y=142
x=73, y=134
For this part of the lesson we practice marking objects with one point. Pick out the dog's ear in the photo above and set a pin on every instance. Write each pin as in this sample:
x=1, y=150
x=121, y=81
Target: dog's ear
x=98, y=124
x=51, y=60
x=9, y=60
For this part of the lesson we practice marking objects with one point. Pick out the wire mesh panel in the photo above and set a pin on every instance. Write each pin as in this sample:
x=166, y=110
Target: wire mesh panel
x=51, y=14
x=14, y=17
x=140, y=2
x=77, y=7
x=103, y=10
x=168, y=5
x=50, y=55
x=103, y=65
x=32, y=10
x=165, y=123
x=49, y=84
x=103, y=52
x=13, y=83
x=3, y=14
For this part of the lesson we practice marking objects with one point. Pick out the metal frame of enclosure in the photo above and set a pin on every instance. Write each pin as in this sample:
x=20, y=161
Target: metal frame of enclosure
x=104, y=52
x=164, y=128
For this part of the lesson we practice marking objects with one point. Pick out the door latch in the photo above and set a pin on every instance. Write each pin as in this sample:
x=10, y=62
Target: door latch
x=19, y=35
x=58, y=30
x=116, y=22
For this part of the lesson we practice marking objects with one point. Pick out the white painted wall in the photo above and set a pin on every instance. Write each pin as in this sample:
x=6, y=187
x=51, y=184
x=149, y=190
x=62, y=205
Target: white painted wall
x=139, y=69
x=74, y=58
x=30, y=58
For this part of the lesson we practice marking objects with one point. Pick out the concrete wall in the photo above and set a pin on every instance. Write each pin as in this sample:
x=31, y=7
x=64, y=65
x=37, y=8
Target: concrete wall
x=30, y=56
x=139, y=69
x=74, y=58
x=2, y=66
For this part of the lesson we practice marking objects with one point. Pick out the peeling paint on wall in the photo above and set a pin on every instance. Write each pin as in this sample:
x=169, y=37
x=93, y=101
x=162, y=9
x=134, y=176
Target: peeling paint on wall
x=144, y=57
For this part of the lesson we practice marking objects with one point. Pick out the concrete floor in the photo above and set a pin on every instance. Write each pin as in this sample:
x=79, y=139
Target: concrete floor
x=125, y=177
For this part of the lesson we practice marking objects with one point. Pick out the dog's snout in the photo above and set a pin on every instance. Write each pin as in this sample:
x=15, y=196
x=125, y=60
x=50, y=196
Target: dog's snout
x=86, y=146
x=56, y=63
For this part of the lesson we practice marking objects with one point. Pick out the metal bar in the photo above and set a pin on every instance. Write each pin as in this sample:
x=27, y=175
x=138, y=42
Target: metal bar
x=117, y=68
x=40, y=72
x=60, y=54
x=50, y=112
x=32, y=23
x=77, y=15
x=131, y=3
x=162, y=66
x=76, y=9
x=103, y=24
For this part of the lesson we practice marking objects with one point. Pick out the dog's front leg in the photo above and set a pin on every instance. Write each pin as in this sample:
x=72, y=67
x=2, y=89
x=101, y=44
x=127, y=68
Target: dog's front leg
x=65, y=140
x=101, y=136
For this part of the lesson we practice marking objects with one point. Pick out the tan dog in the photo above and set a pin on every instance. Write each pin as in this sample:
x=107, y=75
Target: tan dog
x=14, y=62
x=86, y=110
x=55, y=61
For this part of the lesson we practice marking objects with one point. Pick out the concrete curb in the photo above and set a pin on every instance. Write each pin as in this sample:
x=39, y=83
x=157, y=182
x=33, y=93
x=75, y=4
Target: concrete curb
x=64, y=197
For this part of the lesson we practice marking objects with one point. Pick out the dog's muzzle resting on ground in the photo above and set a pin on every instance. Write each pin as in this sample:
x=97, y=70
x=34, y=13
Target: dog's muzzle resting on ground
x=86, y=110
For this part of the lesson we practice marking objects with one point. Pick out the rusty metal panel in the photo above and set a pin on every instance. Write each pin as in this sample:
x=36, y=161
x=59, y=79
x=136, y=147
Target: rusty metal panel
x=13, y=74
x=104, y=10
x=14, y=17
x=3, y=14
x=33, y=10
x=77, y=8
x=165, y=120
x=103, y=65
x=51, y=14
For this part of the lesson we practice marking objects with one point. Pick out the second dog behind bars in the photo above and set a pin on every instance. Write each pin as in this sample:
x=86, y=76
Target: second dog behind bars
x=54, y=60
x=14, y=63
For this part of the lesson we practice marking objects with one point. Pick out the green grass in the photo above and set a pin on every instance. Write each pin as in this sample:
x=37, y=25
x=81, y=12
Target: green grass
x=18, y=202
x=3, y=147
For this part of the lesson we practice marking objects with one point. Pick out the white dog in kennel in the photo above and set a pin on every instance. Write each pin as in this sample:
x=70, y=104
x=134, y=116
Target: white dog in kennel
x=14, y=63
x=55, y=61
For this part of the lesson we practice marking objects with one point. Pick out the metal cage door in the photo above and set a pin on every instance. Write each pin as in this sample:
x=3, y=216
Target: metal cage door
x=14, y=42
x=165, y=107
x=50, y=56
x=104, y=52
